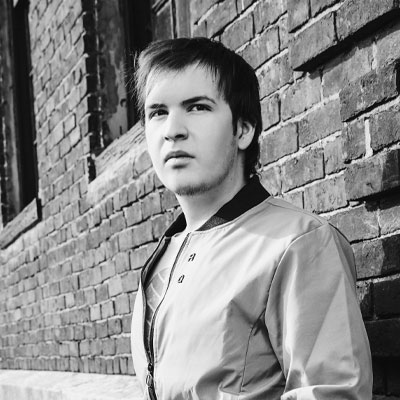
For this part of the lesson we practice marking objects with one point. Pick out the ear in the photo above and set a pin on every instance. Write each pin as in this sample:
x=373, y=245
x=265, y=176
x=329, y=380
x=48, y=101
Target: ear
x=245, y=133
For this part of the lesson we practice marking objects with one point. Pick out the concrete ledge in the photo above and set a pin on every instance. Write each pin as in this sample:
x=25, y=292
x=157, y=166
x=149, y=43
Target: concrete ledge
x=49, y=385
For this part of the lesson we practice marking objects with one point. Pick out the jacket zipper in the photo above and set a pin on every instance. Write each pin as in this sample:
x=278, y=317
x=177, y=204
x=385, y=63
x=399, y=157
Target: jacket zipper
x=150, y=353
x=153, y=258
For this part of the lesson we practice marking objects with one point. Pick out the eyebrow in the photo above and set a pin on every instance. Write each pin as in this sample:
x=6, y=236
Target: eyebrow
x=186, y=102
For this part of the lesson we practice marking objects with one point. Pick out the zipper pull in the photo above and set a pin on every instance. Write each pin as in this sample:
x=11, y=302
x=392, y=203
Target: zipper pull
x=150, y=381
x=149, y=377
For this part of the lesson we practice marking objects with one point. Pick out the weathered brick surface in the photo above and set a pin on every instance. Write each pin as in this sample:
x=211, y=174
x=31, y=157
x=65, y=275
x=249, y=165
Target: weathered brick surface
x=354, y=140
x=267, y=12
x=279, y=143
x=385, y=128
x=333, y=155
x=270, y=111
x=274, y=75
x=356, y=14
x=389, y=215
x=320, y=123
x=301, y=96
x=319, y=5
x=387, y=297
x=325, y=196
x=220, y=16
x=313, y=41
x=371, y=89
x=359, y=223
x=298, y=14
x=239, y=33
x=378, y=257
x=374, y=175
x=263, y=48
x=302, y=169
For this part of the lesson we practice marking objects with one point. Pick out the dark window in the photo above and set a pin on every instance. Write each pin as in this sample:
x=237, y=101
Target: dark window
x=23, y=106
x=138, y=34
x=20, y=207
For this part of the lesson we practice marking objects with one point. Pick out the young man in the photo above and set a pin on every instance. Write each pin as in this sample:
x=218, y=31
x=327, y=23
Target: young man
x=246, y=297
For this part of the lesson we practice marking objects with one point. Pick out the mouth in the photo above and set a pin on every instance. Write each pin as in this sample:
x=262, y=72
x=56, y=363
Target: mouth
x=176, y=155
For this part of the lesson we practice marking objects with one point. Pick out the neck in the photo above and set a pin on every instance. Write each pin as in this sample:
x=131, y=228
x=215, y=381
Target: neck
x=199, y=208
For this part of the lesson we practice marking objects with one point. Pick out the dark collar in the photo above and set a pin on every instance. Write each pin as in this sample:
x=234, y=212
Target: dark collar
x=252, y=194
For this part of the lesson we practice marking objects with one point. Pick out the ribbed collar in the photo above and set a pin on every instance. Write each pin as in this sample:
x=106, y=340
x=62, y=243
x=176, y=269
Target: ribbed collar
x=252, y=194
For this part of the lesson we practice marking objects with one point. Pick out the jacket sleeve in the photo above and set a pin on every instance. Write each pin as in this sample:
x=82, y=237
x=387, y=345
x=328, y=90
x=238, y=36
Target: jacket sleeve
x=314, y=321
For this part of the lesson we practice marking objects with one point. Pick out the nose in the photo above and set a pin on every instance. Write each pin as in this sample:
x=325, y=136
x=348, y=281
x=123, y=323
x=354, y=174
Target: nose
x=175, y=127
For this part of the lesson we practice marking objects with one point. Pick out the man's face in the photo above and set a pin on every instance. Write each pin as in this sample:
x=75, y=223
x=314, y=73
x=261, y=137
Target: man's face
x=190, y=134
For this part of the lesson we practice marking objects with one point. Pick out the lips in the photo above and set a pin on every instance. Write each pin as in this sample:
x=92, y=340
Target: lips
x=177, y=154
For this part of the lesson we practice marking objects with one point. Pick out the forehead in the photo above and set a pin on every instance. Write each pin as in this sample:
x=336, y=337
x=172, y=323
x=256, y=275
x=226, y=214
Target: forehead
x=191, y=81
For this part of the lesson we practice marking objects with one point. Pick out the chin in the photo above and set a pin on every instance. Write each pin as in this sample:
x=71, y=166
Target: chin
x=189, y=188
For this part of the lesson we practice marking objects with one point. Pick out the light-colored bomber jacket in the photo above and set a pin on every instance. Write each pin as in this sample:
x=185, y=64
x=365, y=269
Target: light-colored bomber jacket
x=266, y=309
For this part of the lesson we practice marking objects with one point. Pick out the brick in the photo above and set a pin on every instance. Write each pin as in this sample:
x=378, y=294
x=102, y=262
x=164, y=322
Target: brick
x=312, y=42
x=270, y=111
x=364, y=295
x=283, y=33
x=122, y=304
x=383, y=337
x=377, y=257
x=200, y=30
x=385, y=128
x=168, y=200
x=220, y=16
x=388, y=45
x=300, y=96
x=389, y=214
x=159, y=224
x=367, y=91
x=319, y=5
x=326, y=195
x=122, y=262
x=373, y=175
x=271, y=179
x=298, y=13
x=296, y=198
x=333, y=155
x=274, y=75
x=238, y=33
x=262, y=48
x=151, y=205
x=346, y=68
x=133, y=214
x=109, y=347
x=138, y=257
x=115, y=286
x=114, y=326
x=356, y=14
x=387, y=297
x=319, y=123
x=302, y=169
x=199, y=8
x=354, y=140
x=279, y=143
x=130, y=283
x=267, y=12
x=107, y=309
x=359, y=223
x=123, y=345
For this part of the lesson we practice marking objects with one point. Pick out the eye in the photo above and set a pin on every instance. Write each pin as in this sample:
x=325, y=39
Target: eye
x=199, y=107
x=158, y=112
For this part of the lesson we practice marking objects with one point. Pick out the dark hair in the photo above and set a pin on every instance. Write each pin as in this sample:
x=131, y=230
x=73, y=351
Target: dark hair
x=235, y=78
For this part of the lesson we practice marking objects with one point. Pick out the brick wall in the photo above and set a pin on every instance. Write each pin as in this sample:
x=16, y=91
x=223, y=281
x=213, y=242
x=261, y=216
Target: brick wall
x=328, y=73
